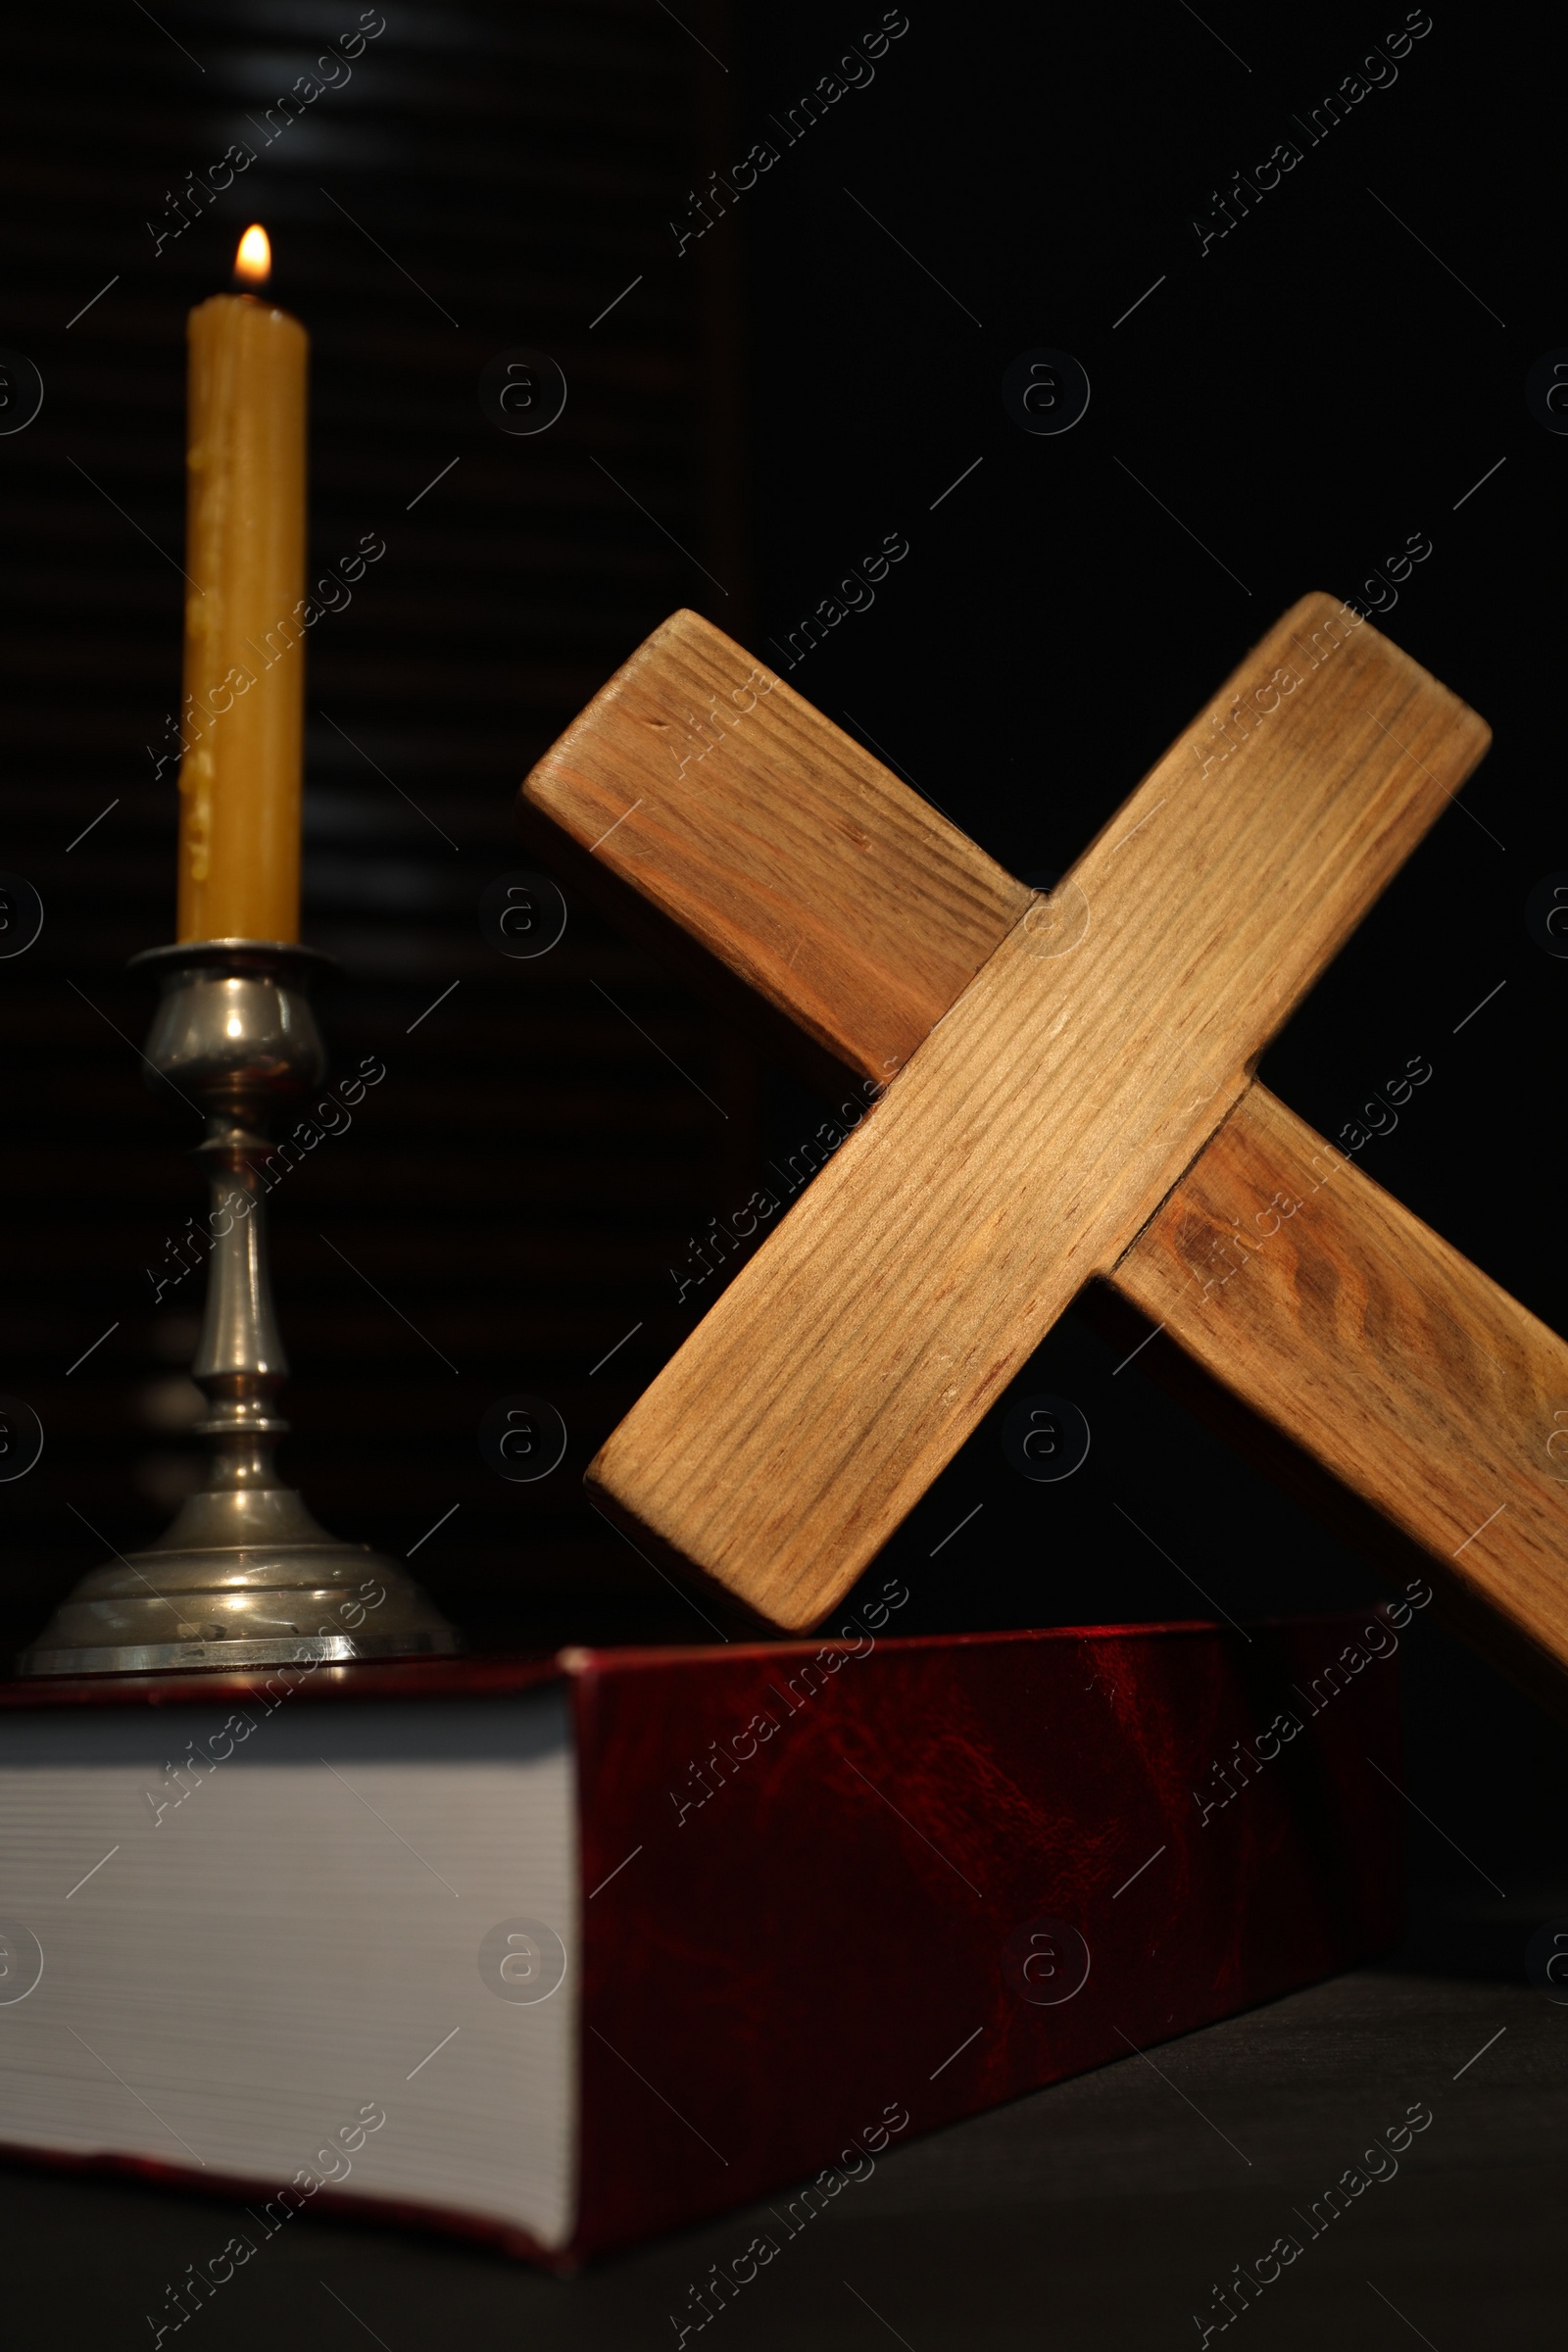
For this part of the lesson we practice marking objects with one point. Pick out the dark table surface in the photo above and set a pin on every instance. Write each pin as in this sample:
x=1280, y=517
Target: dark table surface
x=1099, y=2214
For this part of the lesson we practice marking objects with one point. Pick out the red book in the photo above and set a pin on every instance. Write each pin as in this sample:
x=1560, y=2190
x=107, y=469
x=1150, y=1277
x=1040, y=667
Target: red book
x=571, y=1950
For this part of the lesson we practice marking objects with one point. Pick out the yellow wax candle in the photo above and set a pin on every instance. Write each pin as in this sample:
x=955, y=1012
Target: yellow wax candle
x=241, y=720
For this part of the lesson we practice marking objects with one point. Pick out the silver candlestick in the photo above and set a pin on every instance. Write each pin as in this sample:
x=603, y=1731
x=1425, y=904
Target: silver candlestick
x=244, y=1576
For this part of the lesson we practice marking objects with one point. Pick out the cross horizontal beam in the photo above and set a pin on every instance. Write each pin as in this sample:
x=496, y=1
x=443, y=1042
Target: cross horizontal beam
x=1373, y=1345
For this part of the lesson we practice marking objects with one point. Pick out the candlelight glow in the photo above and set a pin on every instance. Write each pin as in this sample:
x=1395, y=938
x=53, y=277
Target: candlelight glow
x=253, y=264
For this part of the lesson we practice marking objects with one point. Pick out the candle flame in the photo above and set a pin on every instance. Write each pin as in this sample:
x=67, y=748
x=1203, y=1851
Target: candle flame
x=253, y=262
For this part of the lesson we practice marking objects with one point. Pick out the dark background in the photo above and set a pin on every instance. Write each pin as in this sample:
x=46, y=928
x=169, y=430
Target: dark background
x=1278, y=414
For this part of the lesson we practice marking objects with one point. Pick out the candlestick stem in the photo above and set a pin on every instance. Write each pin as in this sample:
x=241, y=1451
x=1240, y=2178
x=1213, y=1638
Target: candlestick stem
x=240, y=1361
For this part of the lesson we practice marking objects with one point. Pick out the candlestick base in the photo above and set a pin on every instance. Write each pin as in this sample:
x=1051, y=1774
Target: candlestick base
x=244, y=1577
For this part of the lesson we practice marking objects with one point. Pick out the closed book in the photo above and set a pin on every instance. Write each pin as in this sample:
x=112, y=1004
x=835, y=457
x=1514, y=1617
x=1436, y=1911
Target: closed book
x=567, y=1949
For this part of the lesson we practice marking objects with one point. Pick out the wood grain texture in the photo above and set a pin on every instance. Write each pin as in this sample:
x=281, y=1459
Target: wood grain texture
x=1367, y=1338
x=753, y=830
x=1042, y=1122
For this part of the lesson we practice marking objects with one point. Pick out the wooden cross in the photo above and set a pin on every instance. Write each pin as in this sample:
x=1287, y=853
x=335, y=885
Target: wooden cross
x=1068, y=1094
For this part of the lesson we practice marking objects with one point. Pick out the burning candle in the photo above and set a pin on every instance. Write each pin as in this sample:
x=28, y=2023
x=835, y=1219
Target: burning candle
x=243, y=708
